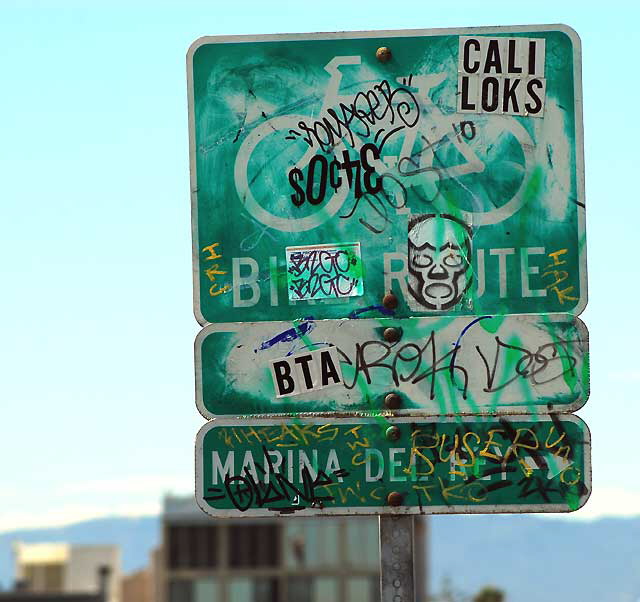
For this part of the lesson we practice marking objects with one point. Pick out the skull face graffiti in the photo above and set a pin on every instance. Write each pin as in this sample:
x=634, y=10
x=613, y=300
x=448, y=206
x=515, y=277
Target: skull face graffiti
x=439, y=261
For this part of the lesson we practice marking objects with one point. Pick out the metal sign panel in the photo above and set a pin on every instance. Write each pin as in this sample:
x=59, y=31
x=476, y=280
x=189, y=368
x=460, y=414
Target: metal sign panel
x=403, y=465
x=445, y=166
x=438, y=365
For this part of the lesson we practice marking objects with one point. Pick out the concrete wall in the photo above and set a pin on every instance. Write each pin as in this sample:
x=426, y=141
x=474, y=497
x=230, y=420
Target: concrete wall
x=83, y=569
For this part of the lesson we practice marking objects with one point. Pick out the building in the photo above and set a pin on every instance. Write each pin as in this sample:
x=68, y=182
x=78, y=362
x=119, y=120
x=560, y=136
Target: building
x=289, y=559
x=20, y=595
x=61, y=568
x=138, y=587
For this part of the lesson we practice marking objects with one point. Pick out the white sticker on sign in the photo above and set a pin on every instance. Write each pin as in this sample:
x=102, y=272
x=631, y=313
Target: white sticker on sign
x=304, y=372
x=327, y=271
x=501, y=75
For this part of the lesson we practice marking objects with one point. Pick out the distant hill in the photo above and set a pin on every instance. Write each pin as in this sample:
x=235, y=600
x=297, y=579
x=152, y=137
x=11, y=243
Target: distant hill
x=538, y=560
x=531, y=558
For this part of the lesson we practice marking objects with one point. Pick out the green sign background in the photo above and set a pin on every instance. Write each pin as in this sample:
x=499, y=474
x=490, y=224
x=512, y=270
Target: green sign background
x=441, y=365
x=251, y=99
x=350, y=466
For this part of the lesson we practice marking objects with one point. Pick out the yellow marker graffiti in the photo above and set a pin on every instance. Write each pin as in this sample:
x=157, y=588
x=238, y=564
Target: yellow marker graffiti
x=558, y=276
x=213, y=254
x=215, y=271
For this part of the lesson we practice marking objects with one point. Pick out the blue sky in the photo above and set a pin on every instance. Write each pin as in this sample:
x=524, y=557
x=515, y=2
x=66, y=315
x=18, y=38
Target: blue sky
x=97, y=412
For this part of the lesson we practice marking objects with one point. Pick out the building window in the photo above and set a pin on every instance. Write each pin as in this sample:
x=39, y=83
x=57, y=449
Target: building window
x=363, y=589
x=257, y=589
x=325, y=589
x=314, y=543
x=266, y=590
x=192, y=546
x=254, y=546
x=299, y=589
x=44, y=577
x=375, y=589
x=362, y=543
x=180, y=590
x=206, y=590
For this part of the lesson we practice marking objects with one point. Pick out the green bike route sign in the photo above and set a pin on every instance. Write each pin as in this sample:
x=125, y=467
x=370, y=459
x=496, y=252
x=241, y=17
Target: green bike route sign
x=402, y=465
x=443, y=365
x=324, y=176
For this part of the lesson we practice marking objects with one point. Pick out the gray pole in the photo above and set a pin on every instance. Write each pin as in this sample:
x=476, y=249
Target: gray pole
x=103, y=579
x=420, y=529
x=396, y=559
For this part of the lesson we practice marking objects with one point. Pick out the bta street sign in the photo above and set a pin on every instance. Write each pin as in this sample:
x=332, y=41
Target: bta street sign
x=445, y=166
x=418, y=366
x=404, y=466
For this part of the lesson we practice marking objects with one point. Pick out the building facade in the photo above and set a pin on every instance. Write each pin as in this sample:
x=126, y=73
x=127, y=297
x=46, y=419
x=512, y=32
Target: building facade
x=138, y=587
x=68, y=569
x=280, y=559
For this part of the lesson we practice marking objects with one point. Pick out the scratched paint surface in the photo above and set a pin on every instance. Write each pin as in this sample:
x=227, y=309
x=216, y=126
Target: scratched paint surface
x=305, y=140
x=348, y=466
x=440, y=365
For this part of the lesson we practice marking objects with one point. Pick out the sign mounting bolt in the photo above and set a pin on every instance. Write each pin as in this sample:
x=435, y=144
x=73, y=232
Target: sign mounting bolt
x=394, y=498
x=390, y=301
x=383, y=54
x=391, y=335
x=392, y=433
x=392, y=401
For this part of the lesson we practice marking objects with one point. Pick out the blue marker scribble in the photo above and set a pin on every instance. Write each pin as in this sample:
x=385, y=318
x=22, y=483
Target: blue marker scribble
x=456, y=345
x=381, y=308
x=469, y=325
x=290, y=334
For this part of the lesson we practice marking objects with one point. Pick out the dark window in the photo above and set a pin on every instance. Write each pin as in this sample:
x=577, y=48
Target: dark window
x=375, y=589
x=180, y=590
x=254, y=546
x=266, y=590
x=192, y=546
x=299, y=589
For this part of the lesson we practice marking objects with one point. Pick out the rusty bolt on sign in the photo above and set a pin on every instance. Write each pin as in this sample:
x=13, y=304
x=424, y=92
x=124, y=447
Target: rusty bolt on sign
x=390, y=301
x=392, y=433
x=392, y=401
x=391, y=335
x=394, y=498
x=383, y=54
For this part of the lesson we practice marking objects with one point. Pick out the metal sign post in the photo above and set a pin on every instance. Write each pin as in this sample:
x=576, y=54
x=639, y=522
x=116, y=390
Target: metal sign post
x=397, y=583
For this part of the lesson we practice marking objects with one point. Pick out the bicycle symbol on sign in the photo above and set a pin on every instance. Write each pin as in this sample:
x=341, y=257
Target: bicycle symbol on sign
x=322, y=169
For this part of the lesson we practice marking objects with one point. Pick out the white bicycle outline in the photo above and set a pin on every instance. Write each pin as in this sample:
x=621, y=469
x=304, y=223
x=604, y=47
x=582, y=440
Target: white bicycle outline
x=441, y=130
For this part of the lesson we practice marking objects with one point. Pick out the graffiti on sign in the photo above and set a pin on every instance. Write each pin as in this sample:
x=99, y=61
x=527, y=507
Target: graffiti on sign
x=324, y=271
x=443, y=365
x=351, y=466
x=311, y=143
x=439, y=261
